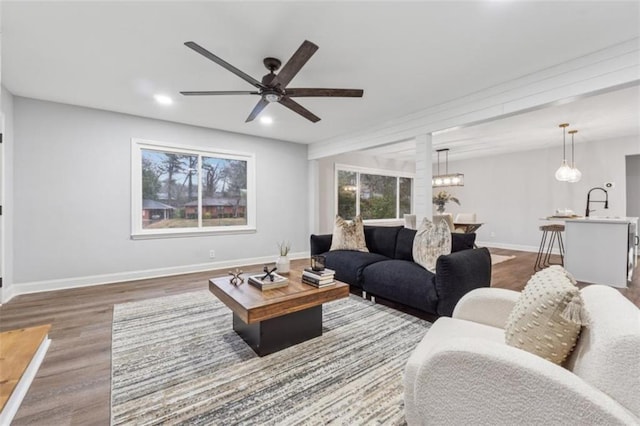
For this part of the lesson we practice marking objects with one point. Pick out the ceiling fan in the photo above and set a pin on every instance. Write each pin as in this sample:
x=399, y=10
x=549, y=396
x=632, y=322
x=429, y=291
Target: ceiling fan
x=273, y=87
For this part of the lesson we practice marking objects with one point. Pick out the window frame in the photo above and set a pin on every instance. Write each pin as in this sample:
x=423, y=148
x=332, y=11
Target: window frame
x=138, y=232
x=372, y=171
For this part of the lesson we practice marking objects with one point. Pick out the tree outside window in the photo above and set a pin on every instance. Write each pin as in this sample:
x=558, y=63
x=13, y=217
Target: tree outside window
x=372, y=195
x=181, y=189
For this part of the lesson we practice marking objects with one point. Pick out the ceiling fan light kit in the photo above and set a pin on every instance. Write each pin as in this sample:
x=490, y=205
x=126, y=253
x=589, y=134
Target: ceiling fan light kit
x=273, y=87
x=447, y=179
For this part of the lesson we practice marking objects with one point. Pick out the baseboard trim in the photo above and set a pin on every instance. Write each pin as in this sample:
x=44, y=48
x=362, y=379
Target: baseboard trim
x=7, y=293
x=67, y=283
x=517, y=247
x=16, y=289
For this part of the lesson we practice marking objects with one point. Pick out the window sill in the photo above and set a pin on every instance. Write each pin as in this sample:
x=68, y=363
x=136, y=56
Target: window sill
x=171, y=233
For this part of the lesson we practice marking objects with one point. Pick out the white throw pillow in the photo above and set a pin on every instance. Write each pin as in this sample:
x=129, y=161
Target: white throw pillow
x=348, y=236
x=431, y=242
x=548, y=316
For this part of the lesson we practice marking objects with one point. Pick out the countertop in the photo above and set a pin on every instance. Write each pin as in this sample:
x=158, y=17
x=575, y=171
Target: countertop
x=603, y=219
x=591, y=219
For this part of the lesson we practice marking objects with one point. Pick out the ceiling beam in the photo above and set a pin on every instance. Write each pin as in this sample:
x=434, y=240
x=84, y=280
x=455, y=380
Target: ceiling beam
x=608, y=69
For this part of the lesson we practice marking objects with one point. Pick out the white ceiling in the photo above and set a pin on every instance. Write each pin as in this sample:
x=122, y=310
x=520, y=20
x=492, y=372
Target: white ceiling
x=406, y=56
x=607, y=116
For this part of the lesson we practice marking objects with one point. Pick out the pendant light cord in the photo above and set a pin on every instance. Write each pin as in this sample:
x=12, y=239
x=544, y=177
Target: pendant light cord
x=446, y=156
x=573, y=161
x=564, y=149
x=564, y=142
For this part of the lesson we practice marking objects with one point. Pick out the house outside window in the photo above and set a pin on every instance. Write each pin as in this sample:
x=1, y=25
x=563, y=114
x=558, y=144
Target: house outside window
x=373, y=194
x=178, y=190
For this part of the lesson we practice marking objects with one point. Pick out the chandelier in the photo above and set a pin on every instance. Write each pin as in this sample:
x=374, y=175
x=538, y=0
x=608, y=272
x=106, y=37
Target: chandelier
x=446, y=179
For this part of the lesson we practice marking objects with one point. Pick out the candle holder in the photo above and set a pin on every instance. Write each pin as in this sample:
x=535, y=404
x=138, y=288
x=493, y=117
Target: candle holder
x=318, y=262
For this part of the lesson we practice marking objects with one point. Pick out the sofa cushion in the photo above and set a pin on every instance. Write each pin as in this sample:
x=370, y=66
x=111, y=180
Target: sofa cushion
x=320, y=243
x=404, y=244
x=546, y=320
x=431, y=242
x=382, y=239
x=348, y=235
x=461, y=242
x=403, y=282
x=349, y=264
x=458, y=274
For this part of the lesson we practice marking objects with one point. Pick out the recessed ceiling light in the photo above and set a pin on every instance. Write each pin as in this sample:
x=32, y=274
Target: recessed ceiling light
x=163, y=99
x=266, y=120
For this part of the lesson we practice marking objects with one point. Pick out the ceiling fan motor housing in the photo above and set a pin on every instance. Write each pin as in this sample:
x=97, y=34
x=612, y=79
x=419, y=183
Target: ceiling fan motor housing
x=272, y=64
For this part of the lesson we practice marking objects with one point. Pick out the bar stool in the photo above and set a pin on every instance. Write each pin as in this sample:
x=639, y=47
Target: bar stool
x=552, y=233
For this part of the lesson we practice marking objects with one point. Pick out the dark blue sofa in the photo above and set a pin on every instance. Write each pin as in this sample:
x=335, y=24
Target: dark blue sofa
x=389, y=272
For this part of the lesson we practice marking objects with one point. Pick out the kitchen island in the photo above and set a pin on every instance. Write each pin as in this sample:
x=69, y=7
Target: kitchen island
x=601, y=250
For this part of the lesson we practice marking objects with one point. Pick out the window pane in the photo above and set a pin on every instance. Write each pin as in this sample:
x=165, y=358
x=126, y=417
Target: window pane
x=224, y=192
x=347, y=194
x=377, y=196
x=169, y=190
x=405, y=196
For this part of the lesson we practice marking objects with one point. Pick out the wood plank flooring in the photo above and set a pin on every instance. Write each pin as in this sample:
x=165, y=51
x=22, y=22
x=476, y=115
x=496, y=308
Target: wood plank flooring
x=73, y=384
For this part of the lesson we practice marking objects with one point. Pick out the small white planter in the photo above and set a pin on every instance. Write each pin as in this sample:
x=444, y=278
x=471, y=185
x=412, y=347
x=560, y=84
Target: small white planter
x=283, y=263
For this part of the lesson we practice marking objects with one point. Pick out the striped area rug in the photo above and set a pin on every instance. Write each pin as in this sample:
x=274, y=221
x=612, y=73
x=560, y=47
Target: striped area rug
x=177, y=360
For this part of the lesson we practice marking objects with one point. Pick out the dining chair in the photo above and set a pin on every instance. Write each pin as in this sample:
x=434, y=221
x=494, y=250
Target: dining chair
x=465, y=217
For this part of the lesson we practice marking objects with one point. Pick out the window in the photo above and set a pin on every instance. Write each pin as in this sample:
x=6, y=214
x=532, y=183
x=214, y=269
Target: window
x=178, y=190
x=374, y=194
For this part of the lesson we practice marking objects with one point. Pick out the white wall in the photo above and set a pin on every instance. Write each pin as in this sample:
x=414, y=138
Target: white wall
x=326, y=180
x=6, y=106
x=73, y=189
x=633, y=185
x=510, y=192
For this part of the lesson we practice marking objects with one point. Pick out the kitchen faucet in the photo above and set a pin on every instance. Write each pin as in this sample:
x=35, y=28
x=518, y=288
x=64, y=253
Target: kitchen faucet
x=606, y=200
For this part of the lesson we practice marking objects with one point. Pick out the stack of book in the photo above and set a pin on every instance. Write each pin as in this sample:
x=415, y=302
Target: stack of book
x=318, y=278
x=266, y=284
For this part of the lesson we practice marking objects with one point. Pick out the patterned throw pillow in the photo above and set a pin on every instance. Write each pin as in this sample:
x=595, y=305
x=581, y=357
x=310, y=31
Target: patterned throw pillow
x=348, y=236
x=431, y=242
x=547, y=318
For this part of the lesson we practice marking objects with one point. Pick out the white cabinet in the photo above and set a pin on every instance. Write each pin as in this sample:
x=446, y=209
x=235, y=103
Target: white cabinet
x=601, y=250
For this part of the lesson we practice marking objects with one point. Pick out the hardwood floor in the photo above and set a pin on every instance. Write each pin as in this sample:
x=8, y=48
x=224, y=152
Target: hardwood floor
x=73, y=384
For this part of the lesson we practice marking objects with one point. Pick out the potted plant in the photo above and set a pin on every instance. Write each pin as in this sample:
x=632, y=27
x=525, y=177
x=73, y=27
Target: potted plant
x=283, y=262
x=442, y=198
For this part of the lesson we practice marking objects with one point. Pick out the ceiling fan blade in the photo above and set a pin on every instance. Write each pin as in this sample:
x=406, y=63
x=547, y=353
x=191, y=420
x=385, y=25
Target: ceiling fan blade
x=262, y=103
x=296, y=107
x=345, y=93
x=228, y=92
x=297, y=61
x=204, y=52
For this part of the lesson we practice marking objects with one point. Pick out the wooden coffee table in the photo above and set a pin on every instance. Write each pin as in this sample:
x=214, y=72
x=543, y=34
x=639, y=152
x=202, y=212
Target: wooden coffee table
x=275, y=319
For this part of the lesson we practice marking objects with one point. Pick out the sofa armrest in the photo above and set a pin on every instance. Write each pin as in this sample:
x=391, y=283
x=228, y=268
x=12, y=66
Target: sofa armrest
x=458, y=273
x=476, y=381
x=320, y=243
x=489, y=306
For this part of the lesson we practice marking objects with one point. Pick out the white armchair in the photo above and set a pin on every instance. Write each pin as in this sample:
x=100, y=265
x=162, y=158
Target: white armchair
x=463, y=372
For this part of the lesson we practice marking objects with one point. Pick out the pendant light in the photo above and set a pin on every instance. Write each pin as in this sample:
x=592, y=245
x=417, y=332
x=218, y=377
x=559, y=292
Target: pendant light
x=564, y=171
x=575, y=174
x=453, y=179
